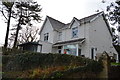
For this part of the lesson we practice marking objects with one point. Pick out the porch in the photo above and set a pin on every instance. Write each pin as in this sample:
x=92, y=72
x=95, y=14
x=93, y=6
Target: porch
x=72, y=47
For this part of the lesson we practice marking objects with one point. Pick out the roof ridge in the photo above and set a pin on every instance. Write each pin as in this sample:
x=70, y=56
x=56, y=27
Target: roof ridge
x=55, y=19
x=91, y=15
x=75, y=18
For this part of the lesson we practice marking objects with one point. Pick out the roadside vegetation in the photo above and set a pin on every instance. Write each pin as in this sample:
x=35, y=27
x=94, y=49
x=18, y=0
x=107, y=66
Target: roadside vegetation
x=37, y=65
x=115, y=64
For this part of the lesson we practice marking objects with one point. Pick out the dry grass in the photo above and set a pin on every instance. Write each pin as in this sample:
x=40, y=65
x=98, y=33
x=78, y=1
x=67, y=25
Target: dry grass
x=43, y=73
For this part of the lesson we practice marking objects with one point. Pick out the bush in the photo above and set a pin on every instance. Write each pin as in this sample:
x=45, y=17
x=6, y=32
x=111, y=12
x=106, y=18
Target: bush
x=25, y=60
x=94, y=66
x=28, y=60
x=10, y=51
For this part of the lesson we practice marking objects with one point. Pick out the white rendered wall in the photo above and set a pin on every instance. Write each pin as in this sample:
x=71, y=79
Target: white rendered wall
x=47, y=29
x=100, y=37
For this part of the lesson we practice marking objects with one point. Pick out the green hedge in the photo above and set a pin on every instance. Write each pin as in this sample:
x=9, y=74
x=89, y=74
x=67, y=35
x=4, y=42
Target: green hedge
x=31, y=60
x=93, y=67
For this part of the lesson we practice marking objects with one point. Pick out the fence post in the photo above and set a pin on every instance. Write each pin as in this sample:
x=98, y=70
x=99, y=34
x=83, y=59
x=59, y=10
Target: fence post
x=106, y=64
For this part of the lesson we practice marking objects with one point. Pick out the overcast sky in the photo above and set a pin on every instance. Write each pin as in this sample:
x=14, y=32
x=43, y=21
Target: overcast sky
x=63, y=10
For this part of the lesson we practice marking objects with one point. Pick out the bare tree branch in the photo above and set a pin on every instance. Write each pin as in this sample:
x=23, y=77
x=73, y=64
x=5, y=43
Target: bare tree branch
x=3, y=14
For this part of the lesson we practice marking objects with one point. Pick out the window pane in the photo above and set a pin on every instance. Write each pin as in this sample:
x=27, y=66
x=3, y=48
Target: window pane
x=60, y=36
x=71, y=49
x=46, y=35
x=75, y=32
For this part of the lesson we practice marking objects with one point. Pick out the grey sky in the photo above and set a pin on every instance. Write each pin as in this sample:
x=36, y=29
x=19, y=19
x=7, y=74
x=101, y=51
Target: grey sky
x=63, y=10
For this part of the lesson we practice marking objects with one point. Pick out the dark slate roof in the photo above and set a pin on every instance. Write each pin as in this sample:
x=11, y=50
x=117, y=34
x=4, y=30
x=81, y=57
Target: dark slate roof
x=70, y=41
x=66, y=26
x=55, y=23
x=87, y=19
x=29, y=43
x=59, y=25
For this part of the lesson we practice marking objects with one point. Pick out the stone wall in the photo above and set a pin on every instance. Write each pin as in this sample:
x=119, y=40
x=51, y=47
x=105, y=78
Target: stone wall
x=106, y=64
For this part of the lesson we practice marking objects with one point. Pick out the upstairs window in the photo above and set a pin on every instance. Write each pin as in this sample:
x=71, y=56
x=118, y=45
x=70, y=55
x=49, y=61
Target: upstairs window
x=46, y=35
x=59, y=36
x=75, y=32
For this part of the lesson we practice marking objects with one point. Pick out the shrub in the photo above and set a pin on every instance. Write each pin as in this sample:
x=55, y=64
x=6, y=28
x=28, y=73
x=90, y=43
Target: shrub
x=94, y=66
x=25, y=60
x=49, y=63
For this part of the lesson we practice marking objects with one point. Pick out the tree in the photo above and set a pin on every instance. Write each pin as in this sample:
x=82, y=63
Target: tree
x=113, y=14
x=7, y=6
x=29, y=34
x=26, y=13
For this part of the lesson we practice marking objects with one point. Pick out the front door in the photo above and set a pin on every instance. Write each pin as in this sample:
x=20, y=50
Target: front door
x=59, y=49
x=79, y=52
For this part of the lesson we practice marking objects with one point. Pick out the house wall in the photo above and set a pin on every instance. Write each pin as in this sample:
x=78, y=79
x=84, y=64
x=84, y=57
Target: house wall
x=55, y=36
x=46, y=47
x=39, y=48
x=83, y=32
x=47, y=29
x=85, y=45
x=99, y=37
x=67, y=33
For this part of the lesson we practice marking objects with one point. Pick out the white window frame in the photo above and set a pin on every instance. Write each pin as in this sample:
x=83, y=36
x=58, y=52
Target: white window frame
x=46, y=36
x=75, y=32
x=59, y=36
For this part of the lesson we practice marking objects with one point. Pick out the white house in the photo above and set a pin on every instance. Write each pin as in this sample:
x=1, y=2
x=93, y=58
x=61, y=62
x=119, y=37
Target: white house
x=87, y=37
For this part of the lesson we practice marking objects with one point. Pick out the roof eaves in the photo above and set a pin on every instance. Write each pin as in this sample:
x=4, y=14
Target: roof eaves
x=107, y=25
x=74, y=19
x=94, y=18
x=28, y=43
x=88, y=19
x=71, y=41
x=43, y=25
x=50, y=21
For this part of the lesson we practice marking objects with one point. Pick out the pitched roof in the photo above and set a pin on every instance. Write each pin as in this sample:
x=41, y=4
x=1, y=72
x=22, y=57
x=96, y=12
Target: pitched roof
x=55, y=23
x=59, y=25
x=87, y=19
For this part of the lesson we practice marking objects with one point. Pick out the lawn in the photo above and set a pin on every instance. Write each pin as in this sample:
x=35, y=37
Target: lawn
x=115, y=64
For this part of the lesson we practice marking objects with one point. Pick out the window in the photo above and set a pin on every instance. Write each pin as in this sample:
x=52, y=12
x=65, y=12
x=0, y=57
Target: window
x=46, y=35
x=79, y=52
x=59, y=49
x=59, y=36
x=92, y=53
x=70, y=49
x=75, y=32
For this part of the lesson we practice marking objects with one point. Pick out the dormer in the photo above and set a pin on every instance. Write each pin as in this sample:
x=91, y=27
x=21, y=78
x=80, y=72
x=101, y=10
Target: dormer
x=74, y=22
